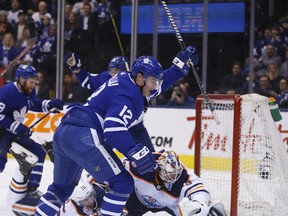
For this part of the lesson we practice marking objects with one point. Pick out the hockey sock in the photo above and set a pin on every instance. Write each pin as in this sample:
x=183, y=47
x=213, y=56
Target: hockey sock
x=51, y=201
x=113, y=203
x=36, y=175
x=17, y=188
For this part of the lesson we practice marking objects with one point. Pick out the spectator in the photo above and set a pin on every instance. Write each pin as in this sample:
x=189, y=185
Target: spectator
x=42, y=11
x=78, y=8
x=273, y=74
x=87, y=23
x=3, y=22
x=284, y=65
x=282, y=98
x=13, y=14
x=72, y=33
x=43, y=89
x=264, y=87
x=18, y=28
x=180, y=96
x=234, y=81
x=67, y=11
x=7, y=53
x=73, y=91
x=45, y=26
x=47, y=49
x=263, y=41
x=268, y=58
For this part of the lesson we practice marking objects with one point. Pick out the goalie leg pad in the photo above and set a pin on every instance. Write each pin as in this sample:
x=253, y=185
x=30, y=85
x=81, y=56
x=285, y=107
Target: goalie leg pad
x=26, y=159
x=217, y=209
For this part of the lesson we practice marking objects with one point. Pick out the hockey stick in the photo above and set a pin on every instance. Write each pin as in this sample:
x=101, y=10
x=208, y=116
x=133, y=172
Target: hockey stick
x=117, y=34
x=183, y=46
x=31, y=41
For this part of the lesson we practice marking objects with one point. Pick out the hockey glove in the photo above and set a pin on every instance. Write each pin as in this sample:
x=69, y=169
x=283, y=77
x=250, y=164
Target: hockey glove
x=189, y=207
x=73, y=61
x=142, y=158
x=23, y=131
x=57, y=103
x=181, y=61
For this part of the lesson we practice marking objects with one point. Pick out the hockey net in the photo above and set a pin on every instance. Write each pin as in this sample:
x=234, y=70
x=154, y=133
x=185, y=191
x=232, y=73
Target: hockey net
x=243, y=161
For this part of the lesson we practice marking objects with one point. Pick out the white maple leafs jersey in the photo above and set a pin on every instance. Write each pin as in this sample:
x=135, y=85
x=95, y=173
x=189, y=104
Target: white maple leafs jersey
x=152, y=192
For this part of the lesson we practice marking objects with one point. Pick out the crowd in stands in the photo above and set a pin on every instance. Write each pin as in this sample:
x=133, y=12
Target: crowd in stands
x=88, y=23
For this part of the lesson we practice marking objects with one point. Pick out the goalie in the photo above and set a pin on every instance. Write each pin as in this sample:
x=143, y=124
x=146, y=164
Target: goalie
x=170, y=188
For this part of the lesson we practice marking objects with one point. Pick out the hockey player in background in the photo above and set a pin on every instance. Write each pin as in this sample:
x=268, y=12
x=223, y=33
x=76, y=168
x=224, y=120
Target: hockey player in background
x=16, y=99
x=94, y=81
x=86, y=199
x=88, y=133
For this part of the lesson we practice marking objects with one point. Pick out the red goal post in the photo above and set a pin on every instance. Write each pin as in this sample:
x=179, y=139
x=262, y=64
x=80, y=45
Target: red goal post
x=242, y=161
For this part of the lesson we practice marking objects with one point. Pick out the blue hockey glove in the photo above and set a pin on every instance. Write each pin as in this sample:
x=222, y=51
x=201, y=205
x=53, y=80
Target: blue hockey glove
x=23, y=131
x=142, y=157
x=182, y=59
x=73, y=61
x=57, y=103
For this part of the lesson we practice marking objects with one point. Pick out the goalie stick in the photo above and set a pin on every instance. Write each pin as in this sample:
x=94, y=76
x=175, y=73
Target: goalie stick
x=117, y=34
x=183, y=46
x=31, y=41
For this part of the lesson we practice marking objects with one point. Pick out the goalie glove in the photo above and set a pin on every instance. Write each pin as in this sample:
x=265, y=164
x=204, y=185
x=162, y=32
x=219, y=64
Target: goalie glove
x=189, y=207
x=184, y=58
x=142, y=158
x=73, y=61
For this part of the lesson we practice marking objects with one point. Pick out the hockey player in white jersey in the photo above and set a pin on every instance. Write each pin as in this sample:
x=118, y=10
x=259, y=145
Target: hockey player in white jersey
x=86, y=199
x=170, y=187
x=88, y=133
x=16, y=99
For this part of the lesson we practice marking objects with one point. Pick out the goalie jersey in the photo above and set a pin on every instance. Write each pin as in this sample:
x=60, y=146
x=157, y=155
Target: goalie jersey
x=154, y=194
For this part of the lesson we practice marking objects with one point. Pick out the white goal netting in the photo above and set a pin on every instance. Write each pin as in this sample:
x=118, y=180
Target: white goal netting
x=261, y=180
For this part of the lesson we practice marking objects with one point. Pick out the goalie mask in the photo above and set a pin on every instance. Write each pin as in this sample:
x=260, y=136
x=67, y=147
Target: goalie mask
x=170, y=167
x=84, y=195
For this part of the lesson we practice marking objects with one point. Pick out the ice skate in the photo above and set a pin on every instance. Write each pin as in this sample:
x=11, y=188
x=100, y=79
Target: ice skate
x=47, y=147
x=26, y=159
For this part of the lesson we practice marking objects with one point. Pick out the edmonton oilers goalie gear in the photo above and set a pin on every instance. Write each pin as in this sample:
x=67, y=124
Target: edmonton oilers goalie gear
x=169, y=166
x=26, y=159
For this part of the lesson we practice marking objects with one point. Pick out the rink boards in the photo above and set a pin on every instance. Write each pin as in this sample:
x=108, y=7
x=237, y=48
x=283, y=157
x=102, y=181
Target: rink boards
x=169, y=128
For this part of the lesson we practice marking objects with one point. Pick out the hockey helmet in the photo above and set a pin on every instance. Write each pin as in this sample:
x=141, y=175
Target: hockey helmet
x=26, y=71
x=149, y=66
x=170, y=167
x=118, y=62
x=84, y=194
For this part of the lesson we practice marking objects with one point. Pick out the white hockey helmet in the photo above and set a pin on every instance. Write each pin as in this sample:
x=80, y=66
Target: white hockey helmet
x=84, y=194
x=170, y=168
